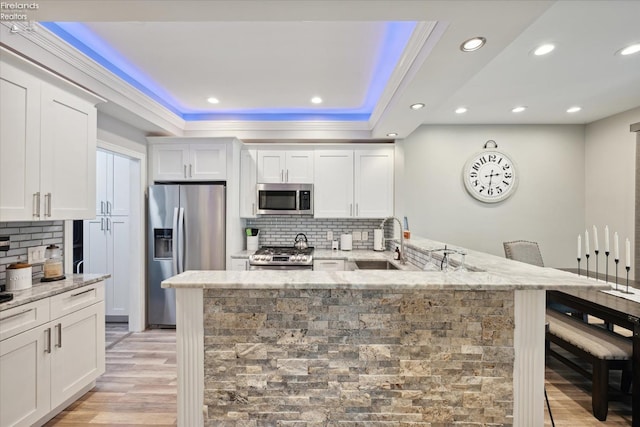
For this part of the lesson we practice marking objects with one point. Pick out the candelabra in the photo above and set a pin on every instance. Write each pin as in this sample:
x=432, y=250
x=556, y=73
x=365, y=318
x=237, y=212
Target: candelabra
x=627, y=268
x=578, y=266
x=596, y=251
x=587, y=256
x=616, y=260
x=606, y=266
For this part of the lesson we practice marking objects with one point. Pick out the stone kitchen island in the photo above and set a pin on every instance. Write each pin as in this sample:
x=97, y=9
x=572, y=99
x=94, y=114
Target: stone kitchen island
x=365, y=348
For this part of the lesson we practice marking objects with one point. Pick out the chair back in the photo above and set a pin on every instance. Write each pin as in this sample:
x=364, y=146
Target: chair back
x=524, y=251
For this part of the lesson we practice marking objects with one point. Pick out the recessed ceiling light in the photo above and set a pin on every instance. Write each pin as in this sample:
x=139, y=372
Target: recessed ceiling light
x=473, y=44
x=461, y=110
x=213, y=100
x=392, y=134
x=543, y=49
x=519, y=109
x=630, y=50
x=316, y=100
x=574, y=109
x=417, y=106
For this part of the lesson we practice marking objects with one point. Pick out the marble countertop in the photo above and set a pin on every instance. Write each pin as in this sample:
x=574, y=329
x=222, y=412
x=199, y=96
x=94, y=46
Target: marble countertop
x=491, y=273
x=41, y=290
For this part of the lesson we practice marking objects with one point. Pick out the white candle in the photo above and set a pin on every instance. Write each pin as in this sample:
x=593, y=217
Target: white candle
x=579, y=245
x=595, y=239
x=606, y=239
x=616, y=246
x=628, y=253
x=586, y=242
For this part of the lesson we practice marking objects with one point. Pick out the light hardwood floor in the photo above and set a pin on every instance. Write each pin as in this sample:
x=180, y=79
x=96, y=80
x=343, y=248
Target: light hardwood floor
x=139, y=388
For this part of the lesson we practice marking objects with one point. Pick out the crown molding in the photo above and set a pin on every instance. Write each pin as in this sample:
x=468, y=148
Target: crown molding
x=231, y=125
x=419, y=46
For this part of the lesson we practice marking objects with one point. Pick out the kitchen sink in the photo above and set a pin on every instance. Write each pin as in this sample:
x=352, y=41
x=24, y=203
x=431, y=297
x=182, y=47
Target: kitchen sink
x=375, y=265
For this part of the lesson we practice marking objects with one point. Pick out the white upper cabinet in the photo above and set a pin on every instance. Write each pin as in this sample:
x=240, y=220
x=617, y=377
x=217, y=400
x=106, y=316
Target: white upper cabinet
x=47, y=145
x=248, y=181
x=353, y=183
x=281, y=166
x=333, y=184
x=112, y=184
x=373, y=183
x=185, y=161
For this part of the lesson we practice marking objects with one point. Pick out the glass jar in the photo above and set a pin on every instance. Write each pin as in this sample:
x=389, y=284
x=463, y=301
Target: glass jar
x=53, y=263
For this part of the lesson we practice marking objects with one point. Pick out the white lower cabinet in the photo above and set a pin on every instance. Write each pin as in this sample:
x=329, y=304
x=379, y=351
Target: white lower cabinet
x=239, y=264
x=328, y=265
x=47, y=365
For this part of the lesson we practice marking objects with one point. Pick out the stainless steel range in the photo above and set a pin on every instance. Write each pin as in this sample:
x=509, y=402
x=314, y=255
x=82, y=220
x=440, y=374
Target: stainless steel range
x=281, y=258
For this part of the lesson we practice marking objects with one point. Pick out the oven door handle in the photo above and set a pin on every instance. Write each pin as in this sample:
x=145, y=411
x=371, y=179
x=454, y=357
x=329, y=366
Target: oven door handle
x=174, y=245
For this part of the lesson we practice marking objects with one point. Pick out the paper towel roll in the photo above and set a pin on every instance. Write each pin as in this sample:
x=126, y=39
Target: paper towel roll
x=346, y=242
x=378, y=241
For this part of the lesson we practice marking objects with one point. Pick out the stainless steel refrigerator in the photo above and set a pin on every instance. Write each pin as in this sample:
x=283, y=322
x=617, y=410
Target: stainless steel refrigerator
x=186, y=227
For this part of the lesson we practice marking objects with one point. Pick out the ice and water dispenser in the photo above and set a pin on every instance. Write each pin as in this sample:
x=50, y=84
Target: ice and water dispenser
x=162, y=243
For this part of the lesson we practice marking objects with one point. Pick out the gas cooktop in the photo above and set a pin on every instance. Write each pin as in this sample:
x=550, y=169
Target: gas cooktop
x=282, y=255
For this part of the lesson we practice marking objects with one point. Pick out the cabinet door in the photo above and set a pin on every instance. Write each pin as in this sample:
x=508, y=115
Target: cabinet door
x=328, y=265
x=239, y=264
x=271, y=165
x=118, y=265
x=25, y=377
x=373, y=184
x=95, y=246
x=19, y=145
x=299, y=167
x=207, y=162
x=77, y=355
x=119, y=174
x=333, y=184
x=248, y=181
x=68, y=155
x=102, y=184
x=169, y=162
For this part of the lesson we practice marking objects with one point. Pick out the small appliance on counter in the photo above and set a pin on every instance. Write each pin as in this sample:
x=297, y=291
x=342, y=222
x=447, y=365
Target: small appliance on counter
x=53, y=269
x=378, y=239
x=346, y=242
x=5, y=297
x=18, y=276
x=252, y=238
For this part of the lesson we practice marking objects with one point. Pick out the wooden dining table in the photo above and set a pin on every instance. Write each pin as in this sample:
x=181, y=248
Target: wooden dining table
x=615, y=310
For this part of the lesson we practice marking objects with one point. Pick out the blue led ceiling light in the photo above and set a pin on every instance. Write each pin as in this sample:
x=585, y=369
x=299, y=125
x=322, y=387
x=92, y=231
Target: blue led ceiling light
x=397, y=35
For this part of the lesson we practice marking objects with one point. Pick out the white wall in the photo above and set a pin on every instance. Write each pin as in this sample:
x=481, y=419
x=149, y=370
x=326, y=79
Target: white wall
x=548, y=206
x=610, y=162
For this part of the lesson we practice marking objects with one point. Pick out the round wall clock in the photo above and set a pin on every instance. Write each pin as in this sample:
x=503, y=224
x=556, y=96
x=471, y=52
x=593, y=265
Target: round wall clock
x=490, y=176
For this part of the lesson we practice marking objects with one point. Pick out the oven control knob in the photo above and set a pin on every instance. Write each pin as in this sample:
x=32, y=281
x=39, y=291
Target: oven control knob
x=304, y=258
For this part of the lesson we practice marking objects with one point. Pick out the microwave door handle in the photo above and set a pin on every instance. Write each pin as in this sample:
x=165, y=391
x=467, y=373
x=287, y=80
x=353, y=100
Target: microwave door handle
x=174, y=245
x=181, y=241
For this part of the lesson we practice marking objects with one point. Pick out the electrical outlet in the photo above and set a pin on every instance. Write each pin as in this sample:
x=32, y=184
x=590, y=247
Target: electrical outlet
x=35, y=255
x=330, y=235
x=357, y=236
x=365, y=236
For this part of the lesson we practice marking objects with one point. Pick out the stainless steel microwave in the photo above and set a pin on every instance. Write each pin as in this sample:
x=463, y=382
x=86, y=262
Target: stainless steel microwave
x=285, y=199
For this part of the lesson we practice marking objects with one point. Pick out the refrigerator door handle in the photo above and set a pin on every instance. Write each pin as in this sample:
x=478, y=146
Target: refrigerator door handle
x=174, y=246
x=181, y=263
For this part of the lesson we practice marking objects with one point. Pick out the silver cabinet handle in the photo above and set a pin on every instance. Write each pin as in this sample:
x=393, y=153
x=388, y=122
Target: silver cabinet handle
x=185, y=170
x=190, y=170
x=47, y=204
x=59, y=326
x=108, y=208
x=108, y=224
x=36, y=204
x=253, y=208
x=18, y=314
x=48, y=349
x=287, y=176
x=83, y=292
x=101, y=224
x=357, y=210
x=281, y=175
x=102, y=207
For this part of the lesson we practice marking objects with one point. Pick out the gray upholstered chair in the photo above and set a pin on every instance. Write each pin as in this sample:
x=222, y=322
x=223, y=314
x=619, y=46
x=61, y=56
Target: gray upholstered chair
x=524, y=251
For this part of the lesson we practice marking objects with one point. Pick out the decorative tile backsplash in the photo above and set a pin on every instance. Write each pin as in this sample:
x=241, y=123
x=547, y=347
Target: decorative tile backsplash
x=282, y=230
x=25, y=235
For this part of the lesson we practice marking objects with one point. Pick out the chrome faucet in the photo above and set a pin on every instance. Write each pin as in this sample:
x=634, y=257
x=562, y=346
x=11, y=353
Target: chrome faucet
x=403, y=258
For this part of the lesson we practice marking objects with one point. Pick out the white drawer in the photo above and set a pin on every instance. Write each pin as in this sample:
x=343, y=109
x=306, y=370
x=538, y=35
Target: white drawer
x=24, y=317
x=76, y=299
x=328, y=265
